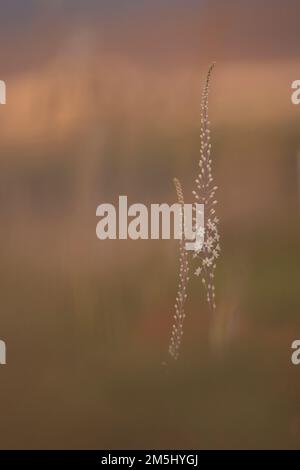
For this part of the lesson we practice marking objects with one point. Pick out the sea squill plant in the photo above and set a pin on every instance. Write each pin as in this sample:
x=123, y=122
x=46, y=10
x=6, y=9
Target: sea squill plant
x=208, y=254
x=179, y=315
x=205, y=193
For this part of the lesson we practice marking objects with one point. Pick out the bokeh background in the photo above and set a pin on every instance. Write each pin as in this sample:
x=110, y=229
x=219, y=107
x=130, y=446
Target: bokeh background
x=103, y=98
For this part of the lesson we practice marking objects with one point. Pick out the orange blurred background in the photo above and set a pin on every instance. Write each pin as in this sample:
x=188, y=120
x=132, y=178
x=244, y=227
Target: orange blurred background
x=103, y=99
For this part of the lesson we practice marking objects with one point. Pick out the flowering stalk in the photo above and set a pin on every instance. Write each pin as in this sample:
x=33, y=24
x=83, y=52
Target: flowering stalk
x=209, y=252
x=179, y=315
x=205, y=194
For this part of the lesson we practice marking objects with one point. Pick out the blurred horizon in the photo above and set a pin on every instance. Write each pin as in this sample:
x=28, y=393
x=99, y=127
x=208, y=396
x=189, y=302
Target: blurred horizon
x=161, y=34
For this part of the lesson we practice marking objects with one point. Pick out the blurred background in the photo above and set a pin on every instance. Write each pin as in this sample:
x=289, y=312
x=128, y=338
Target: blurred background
x=103, y=98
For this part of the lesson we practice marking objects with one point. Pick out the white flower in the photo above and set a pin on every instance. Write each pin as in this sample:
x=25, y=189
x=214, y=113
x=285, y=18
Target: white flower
x=198, y=271
x=197, y=246
x=209, y=243
x=207, y=262
x=211, y=225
